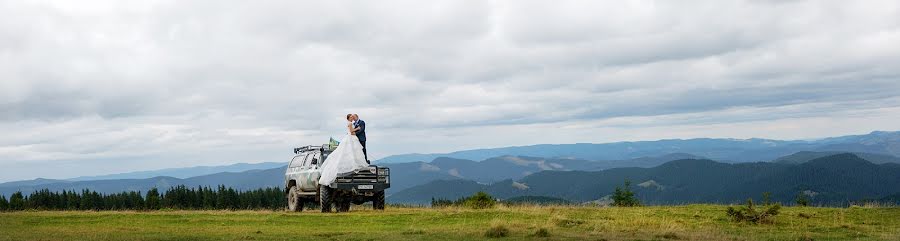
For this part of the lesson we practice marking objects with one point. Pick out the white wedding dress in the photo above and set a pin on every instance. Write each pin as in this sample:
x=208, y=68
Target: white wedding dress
x=347, y=157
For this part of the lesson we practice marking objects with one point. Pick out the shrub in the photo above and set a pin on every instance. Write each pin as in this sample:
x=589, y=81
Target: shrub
x=624, y=197
x=480, y=200
x=542, y=233
x=497, y=231
x=441, y=202
x=752, y=214
x=802, y=200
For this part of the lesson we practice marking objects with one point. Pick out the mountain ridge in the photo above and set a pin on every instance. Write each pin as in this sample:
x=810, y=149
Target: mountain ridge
x=832, y=180
x=719, y=149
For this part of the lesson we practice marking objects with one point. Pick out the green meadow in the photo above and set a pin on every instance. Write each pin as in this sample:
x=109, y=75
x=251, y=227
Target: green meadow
x=691, y=222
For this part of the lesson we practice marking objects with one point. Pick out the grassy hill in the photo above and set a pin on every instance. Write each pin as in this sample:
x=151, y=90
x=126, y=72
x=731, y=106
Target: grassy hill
x=693, y=222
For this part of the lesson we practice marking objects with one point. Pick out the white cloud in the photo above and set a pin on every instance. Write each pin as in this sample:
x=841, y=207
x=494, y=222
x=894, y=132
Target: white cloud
x=112, y=86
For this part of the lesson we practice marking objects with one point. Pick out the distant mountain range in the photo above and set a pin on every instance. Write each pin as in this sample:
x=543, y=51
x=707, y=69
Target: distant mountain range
x=668, y=171
x=804, y=156
x=831, y=180
x=726, y=150
x=185, y=172
x=239, y=180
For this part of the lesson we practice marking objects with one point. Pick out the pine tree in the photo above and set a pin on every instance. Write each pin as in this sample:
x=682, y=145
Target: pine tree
x=802, y=200
x=153, y=202
x=17, y=201
x=624, y=197
x=4, y=204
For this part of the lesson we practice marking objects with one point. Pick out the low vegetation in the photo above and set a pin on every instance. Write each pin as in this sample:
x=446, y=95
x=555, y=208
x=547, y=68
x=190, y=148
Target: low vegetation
x=753, y=214
x=624, y=197
x=497, y=231
x=691, y=222
x=479, y=200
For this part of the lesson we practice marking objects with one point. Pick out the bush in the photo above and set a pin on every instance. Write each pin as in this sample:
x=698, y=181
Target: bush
x=624, y=197
x=802, y=200
x=480, y=200
x=542, y=233
x=441, y=202
x=497, y=231
x=752, y=214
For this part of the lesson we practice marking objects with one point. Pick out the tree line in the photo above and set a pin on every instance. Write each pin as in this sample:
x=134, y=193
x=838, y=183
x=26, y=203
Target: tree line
x=178, y=197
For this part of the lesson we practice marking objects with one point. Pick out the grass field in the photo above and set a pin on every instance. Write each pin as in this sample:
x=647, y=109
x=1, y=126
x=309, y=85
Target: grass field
x=692, y=222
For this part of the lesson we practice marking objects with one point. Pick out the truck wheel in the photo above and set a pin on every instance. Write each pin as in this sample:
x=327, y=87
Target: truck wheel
x=293, y=200
x=378, y=201
x=326, y=198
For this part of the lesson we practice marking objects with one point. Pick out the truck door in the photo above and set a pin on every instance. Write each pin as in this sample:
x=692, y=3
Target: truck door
x=306, y=173
x=293, y=170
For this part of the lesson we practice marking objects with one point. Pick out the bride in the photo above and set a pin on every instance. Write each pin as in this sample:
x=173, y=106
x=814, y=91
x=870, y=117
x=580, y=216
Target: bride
x=347, y=157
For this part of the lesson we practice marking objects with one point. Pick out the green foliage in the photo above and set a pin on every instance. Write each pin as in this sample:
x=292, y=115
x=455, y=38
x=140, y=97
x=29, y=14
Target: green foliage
x=440, y=202
x=536, y=200
x=17, y=201
x=802, y=200
x=767, y=198
x=479, y=200
x=153, y=200
x=624, y=197
x=753, y=214
x=4, y=204
x=179, y=197
x=497, y=231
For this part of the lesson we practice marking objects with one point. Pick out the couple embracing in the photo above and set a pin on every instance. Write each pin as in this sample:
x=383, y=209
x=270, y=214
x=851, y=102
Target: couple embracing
x=357, y=129
x=350, y=155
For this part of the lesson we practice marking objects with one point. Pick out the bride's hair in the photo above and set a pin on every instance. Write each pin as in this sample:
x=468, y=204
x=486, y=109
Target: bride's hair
x=348, y=116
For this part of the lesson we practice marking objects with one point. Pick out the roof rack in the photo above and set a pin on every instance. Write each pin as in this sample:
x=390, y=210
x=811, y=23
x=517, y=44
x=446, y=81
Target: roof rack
x=309, y=148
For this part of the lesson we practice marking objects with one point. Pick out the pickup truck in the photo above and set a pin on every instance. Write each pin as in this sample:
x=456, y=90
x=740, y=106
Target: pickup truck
x=301, y=182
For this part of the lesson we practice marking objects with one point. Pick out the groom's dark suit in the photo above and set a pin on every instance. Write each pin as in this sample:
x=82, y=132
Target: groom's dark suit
x=361, y=135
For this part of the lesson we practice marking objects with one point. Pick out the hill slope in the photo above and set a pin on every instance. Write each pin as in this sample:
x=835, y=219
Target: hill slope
x=831, y=180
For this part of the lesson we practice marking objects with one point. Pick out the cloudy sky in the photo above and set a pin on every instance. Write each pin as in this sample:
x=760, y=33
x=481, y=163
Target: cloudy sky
x=96, y=87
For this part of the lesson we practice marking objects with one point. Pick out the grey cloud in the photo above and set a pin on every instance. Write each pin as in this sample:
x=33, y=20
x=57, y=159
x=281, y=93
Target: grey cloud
x=161, y=83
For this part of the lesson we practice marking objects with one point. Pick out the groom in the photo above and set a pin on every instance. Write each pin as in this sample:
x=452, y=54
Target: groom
x=359, y=126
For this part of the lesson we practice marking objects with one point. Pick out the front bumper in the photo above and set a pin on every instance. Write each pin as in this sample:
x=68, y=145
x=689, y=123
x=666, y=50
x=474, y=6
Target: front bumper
x=360, y=187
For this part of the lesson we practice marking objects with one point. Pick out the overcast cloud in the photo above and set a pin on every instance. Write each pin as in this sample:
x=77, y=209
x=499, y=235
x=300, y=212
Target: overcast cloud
x=97, y=87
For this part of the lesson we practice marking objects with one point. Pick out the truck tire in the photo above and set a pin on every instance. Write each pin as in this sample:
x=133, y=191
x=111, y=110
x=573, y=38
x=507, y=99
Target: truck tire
x=295, y=204
x=326, y=198
x=378, y=201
